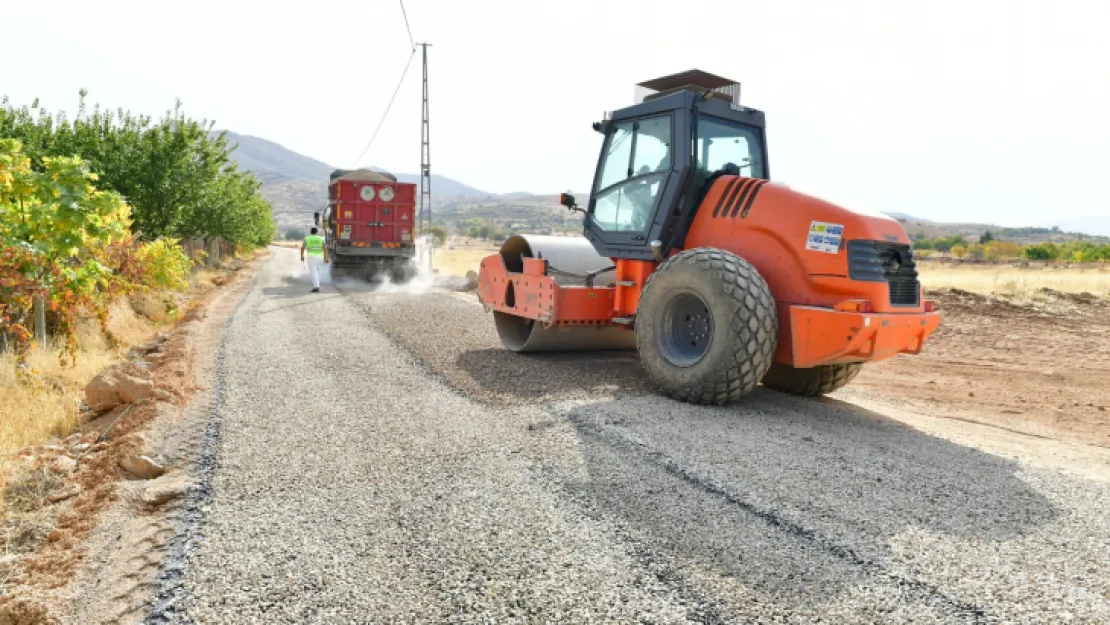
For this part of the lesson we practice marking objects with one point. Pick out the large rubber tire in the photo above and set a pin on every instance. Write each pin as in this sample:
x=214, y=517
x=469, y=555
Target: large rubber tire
x=811, y=382
x=706, y=327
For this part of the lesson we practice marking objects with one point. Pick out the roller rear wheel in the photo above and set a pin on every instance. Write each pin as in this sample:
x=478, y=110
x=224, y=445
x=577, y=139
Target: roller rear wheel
x=706, y=327
x=811, y=382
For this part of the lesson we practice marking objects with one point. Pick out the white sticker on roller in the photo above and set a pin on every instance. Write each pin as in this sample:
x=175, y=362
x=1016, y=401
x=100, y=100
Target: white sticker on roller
x=824, y=237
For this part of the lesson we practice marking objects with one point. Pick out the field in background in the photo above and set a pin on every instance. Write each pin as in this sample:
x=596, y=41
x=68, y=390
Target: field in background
x=462, y=255
x=1014, y=281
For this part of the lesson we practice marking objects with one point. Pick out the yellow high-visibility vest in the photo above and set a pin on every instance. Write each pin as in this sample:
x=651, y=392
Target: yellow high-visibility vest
x=314, y=244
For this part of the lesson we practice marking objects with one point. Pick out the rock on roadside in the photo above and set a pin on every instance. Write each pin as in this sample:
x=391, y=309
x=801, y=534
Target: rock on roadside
x=101, y=394
x=132, y=389
x=115, y=386
x=142, y=466
x=66, y=493
x=164, y=489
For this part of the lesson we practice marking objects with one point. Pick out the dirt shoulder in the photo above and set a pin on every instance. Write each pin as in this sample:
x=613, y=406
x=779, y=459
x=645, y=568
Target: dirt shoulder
x=1039, y=366
x=92, y=512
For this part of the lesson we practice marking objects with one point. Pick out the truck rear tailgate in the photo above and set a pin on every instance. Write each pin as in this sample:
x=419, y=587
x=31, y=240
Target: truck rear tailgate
x=365, y=219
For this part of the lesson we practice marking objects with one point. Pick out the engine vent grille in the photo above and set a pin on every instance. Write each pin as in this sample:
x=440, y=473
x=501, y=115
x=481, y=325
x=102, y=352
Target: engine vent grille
x=882, y=261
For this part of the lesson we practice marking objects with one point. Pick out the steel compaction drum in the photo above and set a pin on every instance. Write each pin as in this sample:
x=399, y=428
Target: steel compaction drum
x=573, y=255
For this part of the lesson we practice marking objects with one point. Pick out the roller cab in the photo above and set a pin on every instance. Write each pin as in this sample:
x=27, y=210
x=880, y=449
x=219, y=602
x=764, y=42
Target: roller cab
x=719, y=277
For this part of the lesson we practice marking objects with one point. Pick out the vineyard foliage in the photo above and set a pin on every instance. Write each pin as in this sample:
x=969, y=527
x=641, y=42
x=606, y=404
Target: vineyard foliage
x=94, y=207
x=176, y=175
x=70, y=243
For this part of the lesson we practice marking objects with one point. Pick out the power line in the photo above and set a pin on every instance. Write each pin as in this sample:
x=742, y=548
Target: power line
x=395, y=91
x=411, y=40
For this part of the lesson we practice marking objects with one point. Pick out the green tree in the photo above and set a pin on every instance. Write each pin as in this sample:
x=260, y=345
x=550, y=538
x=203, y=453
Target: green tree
x=176, y=175
x=439, y=234
x=1046, y=251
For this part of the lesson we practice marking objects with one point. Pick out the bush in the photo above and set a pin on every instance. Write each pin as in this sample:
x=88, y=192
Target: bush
x=1047, y=251
x=67, y=242
x=439, y=234
x=164, y=265
x=995, y=249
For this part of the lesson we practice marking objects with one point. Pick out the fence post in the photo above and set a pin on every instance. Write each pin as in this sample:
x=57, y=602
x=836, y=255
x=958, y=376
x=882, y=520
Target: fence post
x=39, y=304
x=213, y=250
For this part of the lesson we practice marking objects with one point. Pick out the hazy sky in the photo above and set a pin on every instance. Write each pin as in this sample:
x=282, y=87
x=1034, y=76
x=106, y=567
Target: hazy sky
x=970, y=110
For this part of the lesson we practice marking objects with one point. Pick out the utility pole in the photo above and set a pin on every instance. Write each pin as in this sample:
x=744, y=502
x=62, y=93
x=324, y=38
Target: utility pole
x=425, y=219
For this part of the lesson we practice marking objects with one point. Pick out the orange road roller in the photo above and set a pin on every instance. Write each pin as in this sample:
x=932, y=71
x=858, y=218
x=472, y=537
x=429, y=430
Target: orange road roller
x=719, y=277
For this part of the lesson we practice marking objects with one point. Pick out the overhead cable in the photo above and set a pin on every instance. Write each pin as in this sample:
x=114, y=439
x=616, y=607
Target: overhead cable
x=389, y=106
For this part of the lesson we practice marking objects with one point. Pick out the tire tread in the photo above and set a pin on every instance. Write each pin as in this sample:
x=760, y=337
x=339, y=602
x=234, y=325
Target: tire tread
x=753, y=321
x=820, y=380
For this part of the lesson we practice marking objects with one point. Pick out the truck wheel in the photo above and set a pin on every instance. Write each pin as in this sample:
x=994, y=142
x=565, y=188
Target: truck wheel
x=706, y=328
x=819, y=380
x=402, y=273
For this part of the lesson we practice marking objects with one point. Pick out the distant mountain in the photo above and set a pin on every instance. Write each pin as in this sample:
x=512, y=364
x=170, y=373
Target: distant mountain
x=297, y=185
x=272, y=162
x=1093, y=225
x=1094, y=228
x=442, y=186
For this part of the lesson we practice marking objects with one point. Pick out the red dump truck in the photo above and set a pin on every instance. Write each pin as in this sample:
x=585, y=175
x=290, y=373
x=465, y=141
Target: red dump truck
x=368, y=226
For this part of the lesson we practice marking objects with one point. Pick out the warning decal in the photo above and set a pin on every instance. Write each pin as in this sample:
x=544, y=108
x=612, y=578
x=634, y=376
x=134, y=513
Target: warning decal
x=824, y=237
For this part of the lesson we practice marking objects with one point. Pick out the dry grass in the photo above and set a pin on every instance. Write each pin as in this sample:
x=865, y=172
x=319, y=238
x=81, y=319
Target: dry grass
x=45, y=403
x=1015, y=281
x=462, y=256
x=33, y=408
x=26, y=522
x=459, y=261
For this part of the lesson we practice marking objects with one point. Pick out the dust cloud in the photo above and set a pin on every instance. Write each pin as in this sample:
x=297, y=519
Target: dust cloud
x=423, y=277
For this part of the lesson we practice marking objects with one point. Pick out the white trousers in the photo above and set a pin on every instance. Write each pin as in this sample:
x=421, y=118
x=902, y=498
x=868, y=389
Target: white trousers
x=315, y=266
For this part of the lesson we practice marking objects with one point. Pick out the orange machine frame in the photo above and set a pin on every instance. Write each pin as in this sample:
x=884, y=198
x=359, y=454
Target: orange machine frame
x=824, y=316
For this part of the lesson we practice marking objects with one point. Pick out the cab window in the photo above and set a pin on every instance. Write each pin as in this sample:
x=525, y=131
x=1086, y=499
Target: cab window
x=721, y=142
x=637, y=160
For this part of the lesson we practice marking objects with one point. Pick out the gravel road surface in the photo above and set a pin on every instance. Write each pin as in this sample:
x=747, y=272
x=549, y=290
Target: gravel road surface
x=381, y=458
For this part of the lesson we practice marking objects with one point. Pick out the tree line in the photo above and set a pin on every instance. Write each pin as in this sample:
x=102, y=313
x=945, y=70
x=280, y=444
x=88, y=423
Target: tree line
x=175, y=174
x=990, y=247
x=94, y=207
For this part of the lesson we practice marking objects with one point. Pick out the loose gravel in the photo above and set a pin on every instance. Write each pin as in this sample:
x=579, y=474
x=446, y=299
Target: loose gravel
x=382, y=459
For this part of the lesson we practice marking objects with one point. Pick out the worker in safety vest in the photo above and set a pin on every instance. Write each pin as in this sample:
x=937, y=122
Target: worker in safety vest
x=314, y=245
